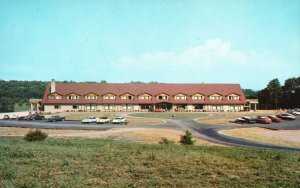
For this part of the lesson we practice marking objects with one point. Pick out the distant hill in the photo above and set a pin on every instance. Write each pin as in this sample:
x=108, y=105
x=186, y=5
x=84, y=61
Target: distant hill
x=14, y=95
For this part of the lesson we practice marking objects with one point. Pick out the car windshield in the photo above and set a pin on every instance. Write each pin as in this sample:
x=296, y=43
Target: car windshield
x=91, y=117
x=103, y=117
x=119, y=118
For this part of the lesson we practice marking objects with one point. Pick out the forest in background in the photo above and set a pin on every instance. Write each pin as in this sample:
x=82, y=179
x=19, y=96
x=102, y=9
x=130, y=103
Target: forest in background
x=14, y=95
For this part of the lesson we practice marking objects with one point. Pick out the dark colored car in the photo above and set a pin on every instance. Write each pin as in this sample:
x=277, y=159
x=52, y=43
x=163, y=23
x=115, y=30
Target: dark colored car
x=263, y=119
x=274, y=118
x=249, y=119
x=286, y=116
x=6, y=117
x=36, y=117
x=56, y=118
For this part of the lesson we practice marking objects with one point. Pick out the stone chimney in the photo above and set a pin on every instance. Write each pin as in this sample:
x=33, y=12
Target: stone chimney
x=52, y=87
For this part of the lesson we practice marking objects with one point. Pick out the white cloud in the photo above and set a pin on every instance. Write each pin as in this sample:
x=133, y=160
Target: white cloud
x=212, y=52
x=213, y=61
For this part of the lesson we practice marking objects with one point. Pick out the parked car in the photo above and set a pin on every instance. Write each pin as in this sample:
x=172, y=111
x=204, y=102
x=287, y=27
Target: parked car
x=102, y=120
x=56, y=118
x=36, y=117
x=90, y=119
x=240, y=120
x=274, y=118
x=297, y=113
x=286, y=116
x=6, y=117
x=263, y=119
x=159, y=110
x=21, y=118
x=249, y=119
x=13, y=117
x=119, y=120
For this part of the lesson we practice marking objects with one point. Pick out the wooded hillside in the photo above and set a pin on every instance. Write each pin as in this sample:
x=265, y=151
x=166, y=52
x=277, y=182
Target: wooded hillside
x=14, y=95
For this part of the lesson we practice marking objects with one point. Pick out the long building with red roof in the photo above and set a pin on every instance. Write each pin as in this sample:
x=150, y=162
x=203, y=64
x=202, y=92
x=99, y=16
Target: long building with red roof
x=60, y=97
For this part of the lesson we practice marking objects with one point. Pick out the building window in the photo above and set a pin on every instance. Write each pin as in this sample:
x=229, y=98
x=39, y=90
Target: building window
x=109, y=97
x=75, y=107
x=89, y=97
x=197, y=97
x=215, y=97
x=57, y=107
x=54, y=97
x=71, y=97
x=233, y=97
x=163, y=97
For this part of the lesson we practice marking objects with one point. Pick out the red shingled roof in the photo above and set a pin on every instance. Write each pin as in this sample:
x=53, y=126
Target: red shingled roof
x=137, y=89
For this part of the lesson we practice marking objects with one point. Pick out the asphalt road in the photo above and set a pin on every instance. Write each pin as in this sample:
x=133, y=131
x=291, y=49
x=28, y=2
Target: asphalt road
x=205, y=132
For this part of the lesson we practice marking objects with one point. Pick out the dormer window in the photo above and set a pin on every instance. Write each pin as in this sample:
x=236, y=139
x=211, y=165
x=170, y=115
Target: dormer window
x=91, y=96
x=198, y=96
x=109, y=97
x=180, y=96
x=215, y=97
x=163, y=97
x=127, y=96
x=233, y=97
x=54, y=96
x=145, y=96
x=73, y=96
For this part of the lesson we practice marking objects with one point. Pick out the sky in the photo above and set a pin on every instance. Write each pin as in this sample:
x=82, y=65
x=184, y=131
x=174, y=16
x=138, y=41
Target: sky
x=170, y=41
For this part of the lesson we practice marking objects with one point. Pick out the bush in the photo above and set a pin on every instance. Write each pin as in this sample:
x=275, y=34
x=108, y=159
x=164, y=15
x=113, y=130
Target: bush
x=187, y=138
x=36, y=135
x=166, y=141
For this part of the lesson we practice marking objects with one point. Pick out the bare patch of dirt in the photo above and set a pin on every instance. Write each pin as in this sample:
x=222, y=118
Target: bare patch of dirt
x=140, y=135
x=289, y=138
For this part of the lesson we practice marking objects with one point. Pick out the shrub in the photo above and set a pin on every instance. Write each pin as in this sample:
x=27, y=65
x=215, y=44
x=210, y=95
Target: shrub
x=187, y=138
x=166, y=141
x=36, y=135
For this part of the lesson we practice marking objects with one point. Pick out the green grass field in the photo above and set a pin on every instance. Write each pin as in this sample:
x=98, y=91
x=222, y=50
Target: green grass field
x=176, y=115
x=106, y=163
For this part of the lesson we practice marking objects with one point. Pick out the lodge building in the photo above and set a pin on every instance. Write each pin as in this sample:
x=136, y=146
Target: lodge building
x=59, y=97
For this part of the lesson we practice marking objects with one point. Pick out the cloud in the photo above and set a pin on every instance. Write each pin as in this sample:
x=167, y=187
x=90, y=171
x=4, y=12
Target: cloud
x=215, y=60
x=212, y=52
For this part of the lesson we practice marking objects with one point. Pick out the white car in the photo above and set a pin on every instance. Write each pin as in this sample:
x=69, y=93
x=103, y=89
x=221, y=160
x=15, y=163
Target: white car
x=297, y=113
x=119, y=120
x=103, y=120
x=90, y=119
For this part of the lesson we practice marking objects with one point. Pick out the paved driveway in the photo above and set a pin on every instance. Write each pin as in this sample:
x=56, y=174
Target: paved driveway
x=202, y=131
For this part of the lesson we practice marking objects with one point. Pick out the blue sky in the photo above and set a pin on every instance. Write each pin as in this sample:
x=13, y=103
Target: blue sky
x=228, y=41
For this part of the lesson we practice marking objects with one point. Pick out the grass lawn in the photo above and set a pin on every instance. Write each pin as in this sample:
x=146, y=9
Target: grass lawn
x=106, y=163
x=78, y=116
x=177, y=115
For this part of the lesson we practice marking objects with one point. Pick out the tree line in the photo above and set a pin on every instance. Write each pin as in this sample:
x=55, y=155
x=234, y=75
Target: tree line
x=14, y=95
x=275, y=95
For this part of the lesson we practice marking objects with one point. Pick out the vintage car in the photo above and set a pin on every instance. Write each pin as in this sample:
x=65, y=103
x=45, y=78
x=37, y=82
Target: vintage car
x=90, y=119
x=249, y=119
x=36, y=117
x=56, y=118
x=274, y=118
x=6, y=117
x=102, y=120
x=286, y=116
x=263, y=119
x=119, y=120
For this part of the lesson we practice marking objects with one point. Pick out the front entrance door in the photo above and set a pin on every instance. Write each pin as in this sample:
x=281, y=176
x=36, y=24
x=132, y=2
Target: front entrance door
x=163, y=105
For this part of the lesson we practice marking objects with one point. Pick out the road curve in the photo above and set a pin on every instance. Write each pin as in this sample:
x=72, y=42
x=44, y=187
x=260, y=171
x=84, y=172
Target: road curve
x=206, y=132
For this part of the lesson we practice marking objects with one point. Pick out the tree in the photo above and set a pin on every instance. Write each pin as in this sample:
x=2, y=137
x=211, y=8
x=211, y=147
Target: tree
x=186, y=139
x=250, y=94
x=274, y=89
x=290, y=93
